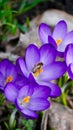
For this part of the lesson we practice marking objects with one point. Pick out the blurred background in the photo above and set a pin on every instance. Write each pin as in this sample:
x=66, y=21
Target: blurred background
x=14, y=13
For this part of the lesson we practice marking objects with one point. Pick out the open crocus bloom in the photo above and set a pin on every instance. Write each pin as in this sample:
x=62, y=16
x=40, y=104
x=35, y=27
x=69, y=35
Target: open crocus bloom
x=40, y=62
x=69, y=59
x=60, y=38
x=29, y=98
x=8, y=73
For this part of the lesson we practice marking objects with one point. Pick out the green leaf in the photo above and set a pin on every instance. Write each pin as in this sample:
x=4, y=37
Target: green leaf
x=2, y=97
x=69, y=85
x=17, y=129
x=23, y=4
x=27, y=22
x=60, y=82
x=29, y=5
x=52, y=128
x=24, y=122
x=22, y=28
x=6, y=125
x=12, y=121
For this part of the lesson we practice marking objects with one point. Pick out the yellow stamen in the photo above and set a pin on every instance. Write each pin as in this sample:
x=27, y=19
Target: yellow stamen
x=26, y=99
x=58, y=41
x=9, y=79
x=38, y=71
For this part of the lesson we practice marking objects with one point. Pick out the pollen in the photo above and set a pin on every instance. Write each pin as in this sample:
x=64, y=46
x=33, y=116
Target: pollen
x=58, y=41
x=26, y=99
x=9, y=79
x=38, y=71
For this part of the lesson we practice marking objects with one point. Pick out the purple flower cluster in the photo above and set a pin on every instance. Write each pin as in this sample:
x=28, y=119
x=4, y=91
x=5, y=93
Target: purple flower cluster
x=62, y=41
x=41, y=67
x=69, y=59
x=60, y=37
x=28, y=82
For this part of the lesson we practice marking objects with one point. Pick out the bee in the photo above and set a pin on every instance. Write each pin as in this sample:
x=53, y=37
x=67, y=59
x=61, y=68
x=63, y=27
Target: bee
x=36, y=67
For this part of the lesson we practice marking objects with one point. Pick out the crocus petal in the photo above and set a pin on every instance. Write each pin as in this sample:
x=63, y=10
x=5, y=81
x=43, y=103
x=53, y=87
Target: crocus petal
x=41, y=91
x=55, y=90
x=1, y=88
x=27, y=112
x=11, y=71
x=27, y=90
x=52, y=71
x=32, y=79
x=69, y=54
x=60, y=54
x=60, y=30
x=52, y=41
x=21, y=81
x=11, y=91
x=68, y=40
x=3, y=66
x=47, y=54
x=38, y=104
x=44, y=31
x=2, y=81
x=21, y=66
x=70, y=71
x=32, y=56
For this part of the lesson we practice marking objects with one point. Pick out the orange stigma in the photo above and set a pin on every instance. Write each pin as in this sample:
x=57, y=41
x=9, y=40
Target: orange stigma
x=9, y=79
x=58, y=41
x=26, y=99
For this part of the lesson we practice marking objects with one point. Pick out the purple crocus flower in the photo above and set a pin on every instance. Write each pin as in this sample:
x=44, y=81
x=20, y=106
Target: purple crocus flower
x=40, y=63
x=69, y=59
x=8, y=73
x=29, y=98
x=60, y=38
